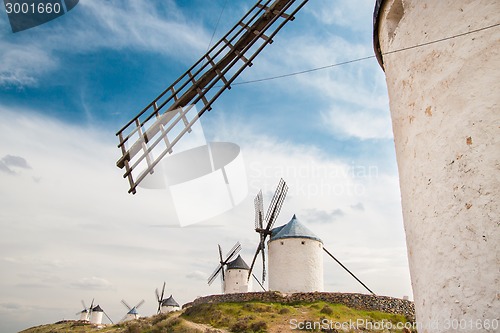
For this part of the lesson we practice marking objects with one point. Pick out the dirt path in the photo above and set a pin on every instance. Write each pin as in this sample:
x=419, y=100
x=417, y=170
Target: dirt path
x=200, y=327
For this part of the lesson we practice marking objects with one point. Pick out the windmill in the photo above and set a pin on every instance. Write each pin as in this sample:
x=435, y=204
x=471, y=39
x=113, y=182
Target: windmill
x=271, y=216
x=223, y=262
x=132, y=311
x=96, y=315
x=85, y=313
x=161, y=124
x=166, y=305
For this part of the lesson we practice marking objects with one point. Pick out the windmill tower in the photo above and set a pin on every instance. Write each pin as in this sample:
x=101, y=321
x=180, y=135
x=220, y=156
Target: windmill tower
x=166, y=305
x=442, y=70
x=84, y=315
x=237, y=277
x=234, y=273
x=295, y=252
x=132, y=313
x=169, y=305
x=295, y=259
x=96, y=314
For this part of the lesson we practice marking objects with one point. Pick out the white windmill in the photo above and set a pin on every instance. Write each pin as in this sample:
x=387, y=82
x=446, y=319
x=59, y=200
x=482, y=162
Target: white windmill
x=96, y=313
x=295, y=252
x=295, y=259
x=236, y=277
x=132, y=313
x=84, y=315
x=168, y=304
x=93, y=314
x=234, y=273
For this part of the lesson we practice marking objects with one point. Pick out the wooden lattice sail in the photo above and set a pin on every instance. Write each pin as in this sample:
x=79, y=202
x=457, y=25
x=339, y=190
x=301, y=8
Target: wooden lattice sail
x=152, y=134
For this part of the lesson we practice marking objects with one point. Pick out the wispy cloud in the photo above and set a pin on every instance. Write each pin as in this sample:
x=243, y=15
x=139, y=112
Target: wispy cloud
x=92, y=283
x=9, y=163
x=197, y=275
x=323, y=216
x=96, y=25
x=359, y=206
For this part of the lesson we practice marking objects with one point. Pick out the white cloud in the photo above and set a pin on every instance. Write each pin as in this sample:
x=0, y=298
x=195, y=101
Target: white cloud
x=344, y=13
x=197, y=275
x=92, y=283
x=95, y=25
x=20, y=65
x=366, y=124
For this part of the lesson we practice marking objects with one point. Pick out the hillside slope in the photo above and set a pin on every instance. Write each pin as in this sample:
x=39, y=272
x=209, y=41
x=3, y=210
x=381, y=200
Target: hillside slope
x=248, y=317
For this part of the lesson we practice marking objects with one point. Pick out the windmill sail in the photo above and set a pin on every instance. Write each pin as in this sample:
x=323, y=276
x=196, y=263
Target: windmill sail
x=152, y=134
x=271, y=217
x=223, y=262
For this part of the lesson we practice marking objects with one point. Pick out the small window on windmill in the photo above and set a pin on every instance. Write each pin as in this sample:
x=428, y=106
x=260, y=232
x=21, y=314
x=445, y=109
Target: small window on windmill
x=303, y=242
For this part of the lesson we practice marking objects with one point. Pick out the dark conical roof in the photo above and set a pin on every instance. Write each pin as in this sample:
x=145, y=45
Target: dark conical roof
x=169, y=302
x=293, y=229
x=238, y=263
x=97, y=309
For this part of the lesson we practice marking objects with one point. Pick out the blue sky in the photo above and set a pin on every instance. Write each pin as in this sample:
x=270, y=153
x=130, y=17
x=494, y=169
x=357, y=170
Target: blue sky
x=71, y=231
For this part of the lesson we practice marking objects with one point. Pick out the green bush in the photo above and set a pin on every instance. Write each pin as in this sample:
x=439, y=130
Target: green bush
x=284, y=311
x=259, y=326
x=239, y=327
x=327, y=310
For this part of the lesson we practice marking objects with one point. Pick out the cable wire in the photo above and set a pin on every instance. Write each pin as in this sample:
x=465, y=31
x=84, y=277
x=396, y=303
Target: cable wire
x=367, y=57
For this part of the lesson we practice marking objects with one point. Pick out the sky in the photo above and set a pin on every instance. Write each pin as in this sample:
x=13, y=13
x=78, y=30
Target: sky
x=70, y=230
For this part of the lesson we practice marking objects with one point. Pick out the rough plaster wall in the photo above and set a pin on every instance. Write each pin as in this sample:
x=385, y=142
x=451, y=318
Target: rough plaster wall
x=445, y=106
x=295, y=267
x=96, y=318
x=237, y=281
x=167, y=309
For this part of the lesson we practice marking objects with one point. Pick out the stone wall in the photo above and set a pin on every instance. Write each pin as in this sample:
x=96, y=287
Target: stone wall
x=357, y=301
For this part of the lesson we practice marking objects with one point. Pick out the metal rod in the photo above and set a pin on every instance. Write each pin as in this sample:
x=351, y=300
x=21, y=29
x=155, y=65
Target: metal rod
x=348, y=271
x=260, y=284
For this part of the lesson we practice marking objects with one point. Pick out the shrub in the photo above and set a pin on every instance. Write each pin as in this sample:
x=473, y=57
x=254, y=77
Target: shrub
x=239, y=327
x=327, y=310
x=284, y=311
x=133, y=328
x=259, y=326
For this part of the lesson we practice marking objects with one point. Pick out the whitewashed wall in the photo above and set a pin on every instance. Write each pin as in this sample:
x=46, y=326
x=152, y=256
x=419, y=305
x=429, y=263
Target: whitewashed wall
x=445, y=106
x=167, y=309
x=237, y=281
x=295, y=267
x=96, y=317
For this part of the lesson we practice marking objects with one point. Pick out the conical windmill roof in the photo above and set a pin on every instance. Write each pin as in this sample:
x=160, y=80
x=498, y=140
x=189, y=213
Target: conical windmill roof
x=238, y=263
x=97, y=309
x=293, y=229
x=133, y=311
x=169, y=302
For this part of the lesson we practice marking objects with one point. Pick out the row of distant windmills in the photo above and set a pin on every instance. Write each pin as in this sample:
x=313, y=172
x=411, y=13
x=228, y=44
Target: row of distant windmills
x=295, y=261
x=94, y=313
x=295, y=254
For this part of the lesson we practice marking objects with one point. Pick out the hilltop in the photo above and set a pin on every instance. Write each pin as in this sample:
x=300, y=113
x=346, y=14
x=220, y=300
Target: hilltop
x=215, y=315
